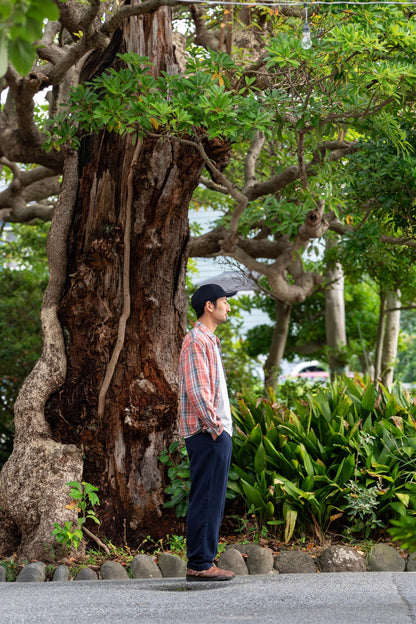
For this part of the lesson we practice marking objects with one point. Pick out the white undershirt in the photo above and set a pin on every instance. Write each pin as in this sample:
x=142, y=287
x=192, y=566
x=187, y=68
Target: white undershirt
x=223, y=409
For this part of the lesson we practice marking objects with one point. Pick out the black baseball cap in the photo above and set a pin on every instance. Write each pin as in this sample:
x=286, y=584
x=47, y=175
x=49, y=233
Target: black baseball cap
x=208, y=292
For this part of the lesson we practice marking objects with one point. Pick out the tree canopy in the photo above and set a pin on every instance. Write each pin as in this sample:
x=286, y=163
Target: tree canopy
x=291, y=116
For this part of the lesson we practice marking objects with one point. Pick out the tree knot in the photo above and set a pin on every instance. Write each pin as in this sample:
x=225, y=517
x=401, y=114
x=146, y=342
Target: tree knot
x=229, y=243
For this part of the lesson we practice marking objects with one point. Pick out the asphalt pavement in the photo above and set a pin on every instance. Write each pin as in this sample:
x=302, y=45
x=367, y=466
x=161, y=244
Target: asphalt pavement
x=343, y=598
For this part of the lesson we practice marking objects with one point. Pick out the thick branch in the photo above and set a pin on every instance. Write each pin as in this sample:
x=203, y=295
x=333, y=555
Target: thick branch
x=209, y=245
x=337, y=151
x=251, y=160
x=28, y=214
x=213, y=186
x=50, y=369
x=275, y=184
x=204, y=37
x=405, y=241
x=23, y=91
x=26, y=199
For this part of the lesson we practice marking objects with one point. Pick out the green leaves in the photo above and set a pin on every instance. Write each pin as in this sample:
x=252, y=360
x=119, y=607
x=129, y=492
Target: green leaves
x=21, y=24
x=132, y=100
x=67, y=536
x=290, y=515
x=345, y=457
x=404, y=530
x=83, y=498
x=176, y=459
x=83, y=493
x=260, y=459
x=368, y=400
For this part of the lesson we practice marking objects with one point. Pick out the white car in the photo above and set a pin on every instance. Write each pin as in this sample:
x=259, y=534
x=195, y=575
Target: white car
x=312, y=370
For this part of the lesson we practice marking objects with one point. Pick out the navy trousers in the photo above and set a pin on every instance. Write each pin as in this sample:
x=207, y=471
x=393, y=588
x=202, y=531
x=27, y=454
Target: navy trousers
x=209, y=463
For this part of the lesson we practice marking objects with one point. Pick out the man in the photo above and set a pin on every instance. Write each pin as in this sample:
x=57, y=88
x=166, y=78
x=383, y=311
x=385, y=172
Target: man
x=207, y=428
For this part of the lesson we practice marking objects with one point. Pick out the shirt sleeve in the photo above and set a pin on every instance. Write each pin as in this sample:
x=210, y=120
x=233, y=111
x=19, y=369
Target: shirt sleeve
x=198, y=385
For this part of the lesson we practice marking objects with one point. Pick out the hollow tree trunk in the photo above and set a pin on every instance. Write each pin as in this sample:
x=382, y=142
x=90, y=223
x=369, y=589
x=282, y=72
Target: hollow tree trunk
x=111, y=391
x=336, y=338
x=277, y=347
x=390, y=338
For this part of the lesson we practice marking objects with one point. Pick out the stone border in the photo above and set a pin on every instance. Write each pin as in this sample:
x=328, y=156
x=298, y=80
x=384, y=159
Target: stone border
x=242, y=559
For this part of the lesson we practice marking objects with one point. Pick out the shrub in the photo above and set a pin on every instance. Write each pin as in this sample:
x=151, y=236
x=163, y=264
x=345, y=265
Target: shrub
x=344, y=454
x=341, y=456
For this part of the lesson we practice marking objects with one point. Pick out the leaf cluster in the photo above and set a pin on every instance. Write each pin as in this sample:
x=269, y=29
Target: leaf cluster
x=175, y=458
x=202, y=102
x=21, y=25
x=83, y=499
x=321, y=458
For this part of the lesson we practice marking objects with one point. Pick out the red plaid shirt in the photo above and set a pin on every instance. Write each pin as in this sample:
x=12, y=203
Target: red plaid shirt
x=199, y=382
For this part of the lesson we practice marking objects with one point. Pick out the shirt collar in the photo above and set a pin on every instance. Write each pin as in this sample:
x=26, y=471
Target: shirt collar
x=207, y=332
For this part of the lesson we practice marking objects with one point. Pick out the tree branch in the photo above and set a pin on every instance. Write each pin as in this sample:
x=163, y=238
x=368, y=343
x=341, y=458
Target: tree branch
x=212, y=185
x=204, y=37
x=279, y=182
x=149, y=6
x=96, y=540
x=35, y=185
x=405, y=241
x=251, y=160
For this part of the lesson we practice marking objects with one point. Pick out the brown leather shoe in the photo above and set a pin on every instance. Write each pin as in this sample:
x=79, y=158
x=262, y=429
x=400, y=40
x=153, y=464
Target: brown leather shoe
x=212, y=574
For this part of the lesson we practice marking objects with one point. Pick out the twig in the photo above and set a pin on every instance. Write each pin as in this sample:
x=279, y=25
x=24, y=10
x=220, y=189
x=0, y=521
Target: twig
x=96, y=540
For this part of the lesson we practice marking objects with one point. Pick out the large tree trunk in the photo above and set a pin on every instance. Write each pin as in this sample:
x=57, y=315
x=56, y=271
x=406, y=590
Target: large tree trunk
x=277, y=347
x=139, y=414
x=336, y=337
x=390, y=338
x=122, y=313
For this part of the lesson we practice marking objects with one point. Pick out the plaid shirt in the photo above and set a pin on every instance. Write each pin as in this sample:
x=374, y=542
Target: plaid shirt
x=199, y=382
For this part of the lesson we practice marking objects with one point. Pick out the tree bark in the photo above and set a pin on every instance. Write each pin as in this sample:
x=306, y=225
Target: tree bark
x=336, y=337
x=380, y=336
x=144, y=290
x=277, y=347
x=140, y=408
x=390, y=338
x=121, y=306
x=33, y=494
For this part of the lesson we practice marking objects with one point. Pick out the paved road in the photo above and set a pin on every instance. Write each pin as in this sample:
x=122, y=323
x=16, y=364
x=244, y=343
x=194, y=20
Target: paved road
x=348, y=598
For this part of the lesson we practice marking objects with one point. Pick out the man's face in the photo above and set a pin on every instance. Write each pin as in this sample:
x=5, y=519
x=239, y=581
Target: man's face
x=220, y=310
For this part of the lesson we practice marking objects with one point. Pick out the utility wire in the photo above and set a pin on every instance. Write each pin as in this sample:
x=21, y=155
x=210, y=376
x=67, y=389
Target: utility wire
x=310, y=4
